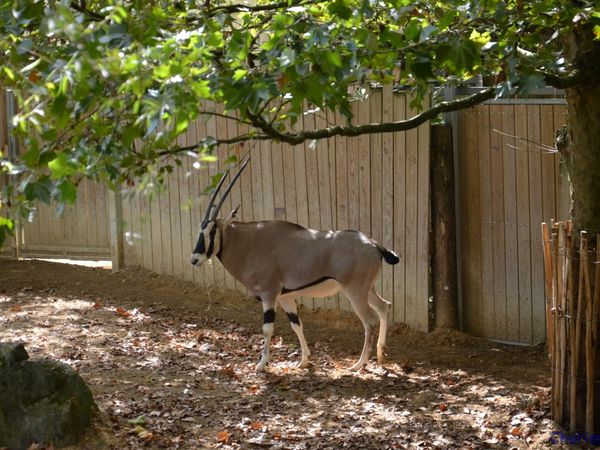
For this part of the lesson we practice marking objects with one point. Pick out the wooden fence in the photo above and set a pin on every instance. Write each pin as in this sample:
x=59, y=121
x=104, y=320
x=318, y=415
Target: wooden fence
x=377, y=184
x=510, y=182
x=81, y=231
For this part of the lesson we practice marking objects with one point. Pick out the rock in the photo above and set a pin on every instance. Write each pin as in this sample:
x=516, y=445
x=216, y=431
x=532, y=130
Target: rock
x=41, y=401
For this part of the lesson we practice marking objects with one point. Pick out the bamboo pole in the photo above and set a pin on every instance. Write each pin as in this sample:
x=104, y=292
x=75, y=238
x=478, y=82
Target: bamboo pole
x=577, y=320
x=570, y=308
x=557, y=409
x=589, y=368
x=546, y=242
x=593, y=322
x=561, y=272
x=548, y=281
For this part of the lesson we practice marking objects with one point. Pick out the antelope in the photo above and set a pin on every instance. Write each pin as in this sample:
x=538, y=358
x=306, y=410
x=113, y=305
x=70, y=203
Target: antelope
x=278, y=261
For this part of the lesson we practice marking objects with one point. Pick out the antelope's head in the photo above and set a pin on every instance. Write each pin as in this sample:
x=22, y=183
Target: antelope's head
x=209, y=238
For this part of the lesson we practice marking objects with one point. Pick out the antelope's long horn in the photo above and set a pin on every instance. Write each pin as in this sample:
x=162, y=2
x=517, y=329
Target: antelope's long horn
x=237, y=175
x=213, y=196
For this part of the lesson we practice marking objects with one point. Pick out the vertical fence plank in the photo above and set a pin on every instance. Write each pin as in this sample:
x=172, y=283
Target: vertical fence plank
x=266, y=165
x=510, y=222
x=364, y=172
x=497, y=152
x=536, y=217
x=278, y=181
x=473, y=289
x=300, y=174
x=422, y=263
x=375, y=115
x=400, y=219
x=387, y=198
x=548, y=152
x=485, y=203
x=412, y=233
x=524, y=228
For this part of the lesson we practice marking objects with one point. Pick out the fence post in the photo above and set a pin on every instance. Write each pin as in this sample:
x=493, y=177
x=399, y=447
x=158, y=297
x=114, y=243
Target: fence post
x=451, y=93
x=444, y=261
x=115, y=208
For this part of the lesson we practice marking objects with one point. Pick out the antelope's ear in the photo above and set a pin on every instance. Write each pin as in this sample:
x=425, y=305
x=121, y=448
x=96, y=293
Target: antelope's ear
x=232, y=215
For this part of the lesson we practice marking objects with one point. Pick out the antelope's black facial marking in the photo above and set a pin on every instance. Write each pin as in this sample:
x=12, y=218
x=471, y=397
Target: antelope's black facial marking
x=211, y=241
x=294, y=318
x=269, y=316
x=285, y=290
x=258, y=298
x=200, y=245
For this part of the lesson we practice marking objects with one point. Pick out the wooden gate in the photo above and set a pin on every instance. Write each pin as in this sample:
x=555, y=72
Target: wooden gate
x=510, y=182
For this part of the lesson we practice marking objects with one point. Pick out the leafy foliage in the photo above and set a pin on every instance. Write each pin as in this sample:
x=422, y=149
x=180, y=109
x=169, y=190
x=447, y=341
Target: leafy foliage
x=105, y=88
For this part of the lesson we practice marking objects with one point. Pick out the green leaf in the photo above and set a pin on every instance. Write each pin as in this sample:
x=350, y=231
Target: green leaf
x=61, y=167
x=239, y=74
x=68, y=192
x=413, y=30
x=6, y=229
x=182, y=124
x=340, y=9
x=31, y=156
x=39, y=190
x=530, y=83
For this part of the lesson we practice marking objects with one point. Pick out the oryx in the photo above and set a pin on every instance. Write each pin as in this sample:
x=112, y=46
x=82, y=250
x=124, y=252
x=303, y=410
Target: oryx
x=278, y=261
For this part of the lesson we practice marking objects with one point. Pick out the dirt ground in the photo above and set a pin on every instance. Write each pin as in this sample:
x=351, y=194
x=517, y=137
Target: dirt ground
x=171, y=365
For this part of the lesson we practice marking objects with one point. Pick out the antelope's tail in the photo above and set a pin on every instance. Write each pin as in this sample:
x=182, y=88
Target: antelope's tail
x=389, y=256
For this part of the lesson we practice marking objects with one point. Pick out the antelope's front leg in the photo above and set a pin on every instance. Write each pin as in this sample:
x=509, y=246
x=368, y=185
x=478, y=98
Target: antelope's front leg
x=268, y=326
x=291, y=308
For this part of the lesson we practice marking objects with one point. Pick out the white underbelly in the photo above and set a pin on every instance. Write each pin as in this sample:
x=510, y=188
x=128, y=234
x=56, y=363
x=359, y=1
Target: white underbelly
x=324, y=289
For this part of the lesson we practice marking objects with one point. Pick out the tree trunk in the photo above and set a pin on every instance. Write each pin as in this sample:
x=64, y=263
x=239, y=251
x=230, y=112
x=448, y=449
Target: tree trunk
x=579, y=144
x=581, y=151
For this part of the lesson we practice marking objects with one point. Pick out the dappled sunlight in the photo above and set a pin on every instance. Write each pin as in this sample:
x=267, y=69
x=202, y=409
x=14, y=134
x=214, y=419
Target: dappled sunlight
x=177, y=376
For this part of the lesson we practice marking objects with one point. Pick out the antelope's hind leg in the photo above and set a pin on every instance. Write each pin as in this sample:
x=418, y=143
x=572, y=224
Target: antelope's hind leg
x=359, y=301
x=382, y=308
x=291, y=308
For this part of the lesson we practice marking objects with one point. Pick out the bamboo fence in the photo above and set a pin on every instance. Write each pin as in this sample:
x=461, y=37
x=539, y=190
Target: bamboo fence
x=572, y=310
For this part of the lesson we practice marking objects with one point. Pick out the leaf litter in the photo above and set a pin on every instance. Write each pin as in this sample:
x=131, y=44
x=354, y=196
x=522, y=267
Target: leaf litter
x=168, y=373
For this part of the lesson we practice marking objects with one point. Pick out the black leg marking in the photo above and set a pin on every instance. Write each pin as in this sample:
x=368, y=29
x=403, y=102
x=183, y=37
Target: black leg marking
x=294, y=318
x=258, y=298
x=269, y=316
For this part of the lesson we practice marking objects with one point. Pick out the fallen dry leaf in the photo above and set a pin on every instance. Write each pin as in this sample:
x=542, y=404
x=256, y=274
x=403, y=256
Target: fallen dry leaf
x=122, y=312
x=516, y=431
x=222, y=437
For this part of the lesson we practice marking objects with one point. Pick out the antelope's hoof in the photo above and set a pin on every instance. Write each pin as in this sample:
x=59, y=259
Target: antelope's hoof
x=262, y=364
x=356, y=367
x=380, y=356
x=302, y=364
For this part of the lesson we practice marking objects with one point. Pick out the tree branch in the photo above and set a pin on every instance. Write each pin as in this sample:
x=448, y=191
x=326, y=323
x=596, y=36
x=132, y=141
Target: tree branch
x=270, y=133
x=567, y=81
x=388, y=127
x=82, y=8
x=229, y=9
